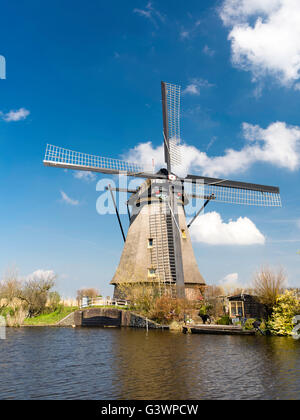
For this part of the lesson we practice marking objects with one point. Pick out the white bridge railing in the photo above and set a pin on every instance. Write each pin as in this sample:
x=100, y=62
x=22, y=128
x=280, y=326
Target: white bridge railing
x=87, y=302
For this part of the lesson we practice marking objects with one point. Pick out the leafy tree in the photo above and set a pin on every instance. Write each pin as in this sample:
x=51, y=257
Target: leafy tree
x=35, y=291
x=286, y=307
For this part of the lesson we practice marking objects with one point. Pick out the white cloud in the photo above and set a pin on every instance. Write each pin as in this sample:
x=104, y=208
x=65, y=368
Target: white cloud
x=18, y=115
x=150, y=13
x=234, y=12
x=211, y=229
x=230, y=283
x=194, y=87
x=145, y=153
x=265, y=37
x=184, y=34
x=278, y=144
x=231, y=277
x=45, y=275
x=84, y=175
x=208, y=51
x=68, y=200
x=192, y=31
x=297, y=86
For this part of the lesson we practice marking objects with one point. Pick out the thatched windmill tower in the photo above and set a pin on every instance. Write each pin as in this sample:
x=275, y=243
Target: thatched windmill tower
x=158, y=250
x=149, y=253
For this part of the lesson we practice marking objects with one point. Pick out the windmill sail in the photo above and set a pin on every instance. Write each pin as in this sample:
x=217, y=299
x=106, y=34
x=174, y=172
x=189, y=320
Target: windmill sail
x=64, y=158
x=232, y=192
x=171, y=124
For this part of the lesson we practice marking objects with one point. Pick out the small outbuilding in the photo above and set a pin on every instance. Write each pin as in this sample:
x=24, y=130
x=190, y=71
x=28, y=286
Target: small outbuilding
x=245, y=306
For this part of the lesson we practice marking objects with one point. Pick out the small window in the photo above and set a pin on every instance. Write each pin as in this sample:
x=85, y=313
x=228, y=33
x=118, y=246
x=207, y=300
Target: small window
x=236, y=309
x=150, y=242
x=151, y=272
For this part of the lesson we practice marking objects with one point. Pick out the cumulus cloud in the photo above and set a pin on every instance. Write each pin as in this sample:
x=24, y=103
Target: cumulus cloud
x=20, y=114
x=278, y=144
x=211, y=229
x=84, y=175
x=230, y=283
x=68, y=200
x=45, y=275
x=265, y=37
x=193, y=88
x=297, y=86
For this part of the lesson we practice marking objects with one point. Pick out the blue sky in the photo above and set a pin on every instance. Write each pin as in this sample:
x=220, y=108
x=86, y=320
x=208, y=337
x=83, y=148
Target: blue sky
x=86, y=76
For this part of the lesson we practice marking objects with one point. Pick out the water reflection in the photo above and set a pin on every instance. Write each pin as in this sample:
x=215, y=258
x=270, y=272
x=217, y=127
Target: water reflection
x=132, y=364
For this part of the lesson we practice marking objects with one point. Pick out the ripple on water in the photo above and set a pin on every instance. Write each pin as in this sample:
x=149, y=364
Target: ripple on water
x=86, y=363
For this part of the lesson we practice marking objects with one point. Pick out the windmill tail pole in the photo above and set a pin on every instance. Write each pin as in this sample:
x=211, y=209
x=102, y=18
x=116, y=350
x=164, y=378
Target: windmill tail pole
x=197, y=214
x=116, y=209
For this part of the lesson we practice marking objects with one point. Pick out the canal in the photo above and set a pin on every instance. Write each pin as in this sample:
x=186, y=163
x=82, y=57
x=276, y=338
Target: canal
x=111, y=363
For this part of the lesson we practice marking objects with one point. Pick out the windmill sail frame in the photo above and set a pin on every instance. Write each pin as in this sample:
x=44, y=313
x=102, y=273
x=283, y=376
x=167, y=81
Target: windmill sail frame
x=171, y=124
x=69, y=159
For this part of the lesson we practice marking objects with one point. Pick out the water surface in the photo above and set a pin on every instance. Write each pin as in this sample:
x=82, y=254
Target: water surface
x=110, y=363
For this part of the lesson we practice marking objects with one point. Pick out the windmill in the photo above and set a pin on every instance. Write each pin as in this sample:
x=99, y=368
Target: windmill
x=158, y=249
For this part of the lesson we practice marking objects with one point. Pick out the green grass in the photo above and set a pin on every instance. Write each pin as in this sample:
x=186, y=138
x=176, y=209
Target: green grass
x=50, y=319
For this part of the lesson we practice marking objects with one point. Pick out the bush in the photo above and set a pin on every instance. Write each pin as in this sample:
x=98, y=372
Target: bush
x=16, y=317
x=286, y=307
x=224, y=320
x=249, y=324
x=204, y=309
x=166, y=310
x=145, y=299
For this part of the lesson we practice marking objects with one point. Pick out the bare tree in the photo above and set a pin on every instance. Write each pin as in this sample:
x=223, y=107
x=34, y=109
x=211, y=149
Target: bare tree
x=10, y=287
x=54, y=301
x=212, y=291
x=268, y=285
x=89, y=292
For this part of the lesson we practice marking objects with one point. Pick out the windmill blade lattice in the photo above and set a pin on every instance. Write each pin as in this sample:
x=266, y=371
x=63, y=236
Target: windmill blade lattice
x=64, y=158
x=233, y=195
x=171, y=119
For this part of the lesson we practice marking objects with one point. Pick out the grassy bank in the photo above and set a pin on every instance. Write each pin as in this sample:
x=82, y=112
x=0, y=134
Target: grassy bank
x=56, y=316
x=51, y=318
